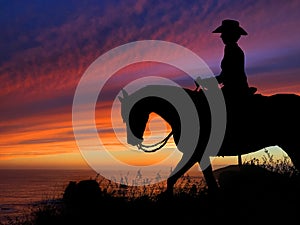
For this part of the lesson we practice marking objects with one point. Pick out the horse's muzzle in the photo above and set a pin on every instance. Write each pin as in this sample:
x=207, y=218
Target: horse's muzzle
x=132, y=140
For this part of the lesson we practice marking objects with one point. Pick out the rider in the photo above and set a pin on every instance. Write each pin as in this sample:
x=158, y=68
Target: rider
x=232, y=79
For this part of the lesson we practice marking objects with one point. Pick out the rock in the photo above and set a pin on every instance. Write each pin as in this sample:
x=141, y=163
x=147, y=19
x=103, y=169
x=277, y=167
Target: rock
x=82, y=193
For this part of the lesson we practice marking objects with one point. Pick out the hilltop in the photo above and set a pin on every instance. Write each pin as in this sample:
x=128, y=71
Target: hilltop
x=248, y=195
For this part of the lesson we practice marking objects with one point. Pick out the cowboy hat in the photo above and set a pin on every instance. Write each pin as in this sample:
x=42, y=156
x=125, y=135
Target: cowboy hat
x=230, y=26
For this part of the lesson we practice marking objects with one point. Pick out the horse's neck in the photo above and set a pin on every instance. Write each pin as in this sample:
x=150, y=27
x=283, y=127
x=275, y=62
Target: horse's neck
x=162, y=108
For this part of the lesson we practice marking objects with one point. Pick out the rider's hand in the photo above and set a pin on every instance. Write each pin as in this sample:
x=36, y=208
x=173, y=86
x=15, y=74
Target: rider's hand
x=207, y=83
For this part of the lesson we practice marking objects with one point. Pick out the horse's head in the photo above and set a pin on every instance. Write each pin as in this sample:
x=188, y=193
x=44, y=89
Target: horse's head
x=135, y=118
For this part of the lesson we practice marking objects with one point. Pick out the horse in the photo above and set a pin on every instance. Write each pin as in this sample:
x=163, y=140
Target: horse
x=259, y=122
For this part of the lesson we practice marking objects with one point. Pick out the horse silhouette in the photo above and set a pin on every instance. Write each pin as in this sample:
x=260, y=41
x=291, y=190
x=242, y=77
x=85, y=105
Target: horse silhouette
x=259, y=122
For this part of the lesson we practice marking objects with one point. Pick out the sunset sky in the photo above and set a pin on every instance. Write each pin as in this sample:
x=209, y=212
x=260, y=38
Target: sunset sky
x=46, y=46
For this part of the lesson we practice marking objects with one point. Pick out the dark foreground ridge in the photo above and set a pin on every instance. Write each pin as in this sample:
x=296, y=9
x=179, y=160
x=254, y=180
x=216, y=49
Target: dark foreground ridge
x=247, y=195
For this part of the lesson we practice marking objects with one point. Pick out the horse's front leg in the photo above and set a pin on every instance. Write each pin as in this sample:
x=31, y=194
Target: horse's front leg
x=210, y=179
x=181, y=168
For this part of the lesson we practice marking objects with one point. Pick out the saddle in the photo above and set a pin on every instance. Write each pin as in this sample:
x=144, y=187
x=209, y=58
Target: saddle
x=240, y=104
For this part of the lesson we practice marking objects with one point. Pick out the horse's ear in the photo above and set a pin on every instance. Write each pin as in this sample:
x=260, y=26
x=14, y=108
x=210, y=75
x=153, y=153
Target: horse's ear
x=125, y=94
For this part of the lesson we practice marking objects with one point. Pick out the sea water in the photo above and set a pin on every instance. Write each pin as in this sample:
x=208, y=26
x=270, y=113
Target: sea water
x=21, y=189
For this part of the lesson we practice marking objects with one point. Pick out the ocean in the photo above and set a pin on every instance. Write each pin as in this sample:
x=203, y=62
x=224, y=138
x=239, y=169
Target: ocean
x=22, y=189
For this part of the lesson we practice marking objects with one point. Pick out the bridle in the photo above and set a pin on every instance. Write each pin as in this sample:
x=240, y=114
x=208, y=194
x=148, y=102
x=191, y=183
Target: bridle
x=156, y=146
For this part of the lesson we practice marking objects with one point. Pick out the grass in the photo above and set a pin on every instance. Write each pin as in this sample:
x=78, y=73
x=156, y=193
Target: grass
x=262, y=191
x=114, y=197
x=282, y=166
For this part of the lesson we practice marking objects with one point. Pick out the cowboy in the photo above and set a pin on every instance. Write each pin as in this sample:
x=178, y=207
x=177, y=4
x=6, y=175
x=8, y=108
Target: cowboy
x=233, y=78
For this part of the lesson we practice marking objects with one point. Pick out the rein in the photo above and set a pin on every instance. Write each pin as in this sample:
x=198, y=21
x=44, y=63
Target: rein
x=161, y=144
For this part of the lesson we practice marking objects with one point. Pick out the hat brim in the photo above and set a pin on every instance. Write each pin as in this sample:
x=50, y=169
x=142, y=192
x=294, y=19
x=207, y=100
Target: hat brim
x=239, y=30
